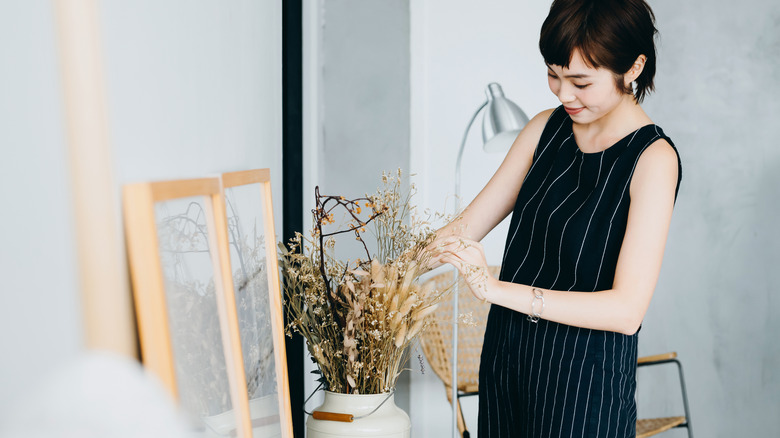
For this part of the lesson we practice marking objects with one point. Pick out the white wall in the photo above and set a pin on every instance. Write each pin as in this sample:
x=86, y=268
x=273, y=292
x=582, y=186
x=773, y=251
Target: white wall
x=458, y=47
x=39, y=311
x=194, y=89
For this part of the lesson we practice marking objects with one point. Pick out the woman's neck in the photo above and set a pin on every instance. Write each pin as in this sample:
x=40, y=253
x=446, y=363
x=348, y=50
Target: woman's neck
x=622, y=120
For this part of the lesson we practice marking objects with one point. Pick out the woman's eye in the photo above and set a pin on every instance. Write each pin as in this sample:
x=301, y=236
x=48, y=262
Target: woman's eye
x=581, y=86
x=552, y=76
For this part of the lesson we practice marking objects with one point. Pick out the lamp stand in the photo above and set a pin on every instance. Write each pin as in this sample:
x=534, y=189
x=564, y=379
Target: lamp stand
x=456, y=289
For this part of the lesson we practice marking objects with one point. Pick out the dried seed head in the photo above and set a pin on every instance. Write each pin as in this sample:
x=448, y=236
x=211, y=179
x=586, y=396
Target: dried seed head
x=422, y=313
x=408, y=304
x=416, y=327
x=399, y=337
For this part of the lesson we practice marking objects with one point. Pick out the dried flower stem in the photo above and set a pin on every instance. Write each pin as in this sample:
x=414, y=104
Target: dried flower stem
x=359, y=321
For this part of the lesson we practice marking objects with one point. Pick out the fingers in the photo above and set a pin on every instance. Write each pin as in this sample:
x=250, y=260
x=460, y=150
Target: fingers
x=453, y=260
x=474, y=276
x=456, y=241
x=471, y=249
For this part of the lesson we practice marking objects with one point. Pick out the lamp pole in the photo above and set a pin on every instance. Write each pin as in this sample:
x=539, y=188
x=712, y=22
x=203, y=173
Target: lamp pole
x=456, y=289
x=502, y=123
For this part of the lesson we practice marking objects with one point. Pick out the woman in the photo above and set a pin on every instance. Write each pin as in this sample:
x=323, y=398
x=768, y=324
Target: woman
x=591, y=186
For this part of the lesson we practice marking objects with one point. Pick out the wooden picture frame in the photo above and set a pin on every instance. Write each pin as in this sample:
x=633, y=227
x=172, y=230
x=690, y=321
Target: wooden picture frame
x=242, y=190
x=158, y=313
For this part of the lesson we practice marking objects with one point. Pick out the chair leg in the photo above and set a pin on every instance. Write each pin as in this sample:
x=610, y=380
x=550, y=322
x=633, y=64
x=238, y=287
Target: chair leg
x=461, y=421
x=685, y=400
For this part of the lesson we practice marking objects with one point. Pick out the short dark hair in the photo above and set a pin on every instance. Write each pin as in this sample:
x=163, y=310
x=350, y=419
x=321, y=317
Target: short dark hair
x=608, y=33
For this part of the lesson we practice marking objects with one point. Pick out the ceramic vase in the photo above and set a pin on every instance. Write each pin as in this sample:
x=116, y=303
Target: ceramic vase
x=389, y=421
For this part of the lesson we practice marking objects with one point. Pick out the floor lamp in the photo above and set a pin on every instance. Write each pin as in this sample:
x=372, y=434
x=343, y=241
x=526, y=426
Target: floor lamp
x=501, y=124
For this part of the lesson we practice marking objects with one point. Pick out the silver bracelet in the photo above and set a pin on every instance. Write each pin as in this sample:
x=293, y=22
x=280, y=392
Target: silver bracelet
x=538, y=295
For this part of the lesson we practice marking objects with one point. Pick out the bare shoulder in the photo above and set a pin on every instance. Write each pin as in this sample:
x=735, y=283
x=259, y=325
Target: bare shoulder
x=657, y=167
x=659, y=156
x=530, y=135
x=540, y=120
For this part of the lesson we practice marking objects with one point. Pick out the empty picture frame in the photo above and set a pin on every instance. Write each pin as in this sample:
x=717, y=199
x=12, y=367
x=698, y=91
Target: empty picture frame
x=255, y=274
x=183, y=291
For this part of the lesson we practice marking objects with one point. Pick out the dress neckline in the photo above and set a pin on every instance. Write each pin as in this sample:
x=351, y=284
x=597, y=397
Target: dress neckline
x=613, y=146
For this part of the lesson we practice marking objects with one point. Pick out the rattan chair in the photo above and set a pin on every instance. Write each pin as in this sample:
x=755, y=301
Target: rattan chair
x=437, y=347
x=651, y=426
x=437, y=341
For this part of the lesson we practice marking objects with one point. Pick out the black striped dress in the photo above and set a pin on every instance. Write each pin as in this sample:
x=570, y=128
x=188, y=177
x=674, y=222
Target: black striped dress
x=549, y=379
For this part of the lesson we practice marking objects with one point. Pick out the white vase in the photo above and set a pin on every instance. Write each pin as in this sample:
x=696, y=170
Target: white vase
x=389, y=421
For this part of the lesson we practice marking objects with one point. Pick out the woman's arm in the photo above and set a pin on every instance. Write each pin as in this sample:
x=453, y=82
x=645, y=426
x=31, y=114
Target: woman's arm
x=622, y=308
x=497, y=198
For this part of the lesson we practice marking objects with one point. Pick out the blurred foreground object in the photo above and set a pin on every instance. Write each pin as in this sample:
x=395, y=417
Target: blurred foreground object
x=106, y=304
x=97, y=395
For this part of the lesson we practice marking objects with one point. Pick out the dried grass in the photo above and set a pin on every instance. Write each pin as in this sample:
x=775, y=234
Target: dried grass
x=358, y=318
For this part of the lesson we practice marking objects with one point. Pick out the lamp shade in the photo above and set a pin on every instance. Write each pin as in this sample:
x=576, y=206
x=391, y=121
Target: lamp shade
x=502, y=122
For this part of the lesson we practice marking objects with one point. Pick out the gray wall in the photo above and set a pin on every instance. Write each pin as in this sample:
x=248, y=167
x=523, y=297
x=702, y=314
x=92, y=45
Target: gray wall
x=365, y=93
x=717, y=301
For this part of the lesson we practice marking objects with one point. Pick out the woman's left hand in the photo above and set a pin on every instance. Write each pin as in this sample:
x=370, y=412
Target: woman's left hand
x=468, y=257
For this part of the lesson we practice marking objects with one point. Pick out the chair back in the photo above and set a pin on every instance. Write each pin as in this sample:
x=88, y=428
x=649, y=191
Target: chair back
x=437, y=338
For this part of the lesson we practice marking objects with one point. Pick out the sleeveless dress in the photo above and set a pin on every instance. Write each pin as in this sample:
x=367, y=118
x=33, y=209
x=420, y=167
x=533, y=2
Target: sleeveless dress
x=549, y=379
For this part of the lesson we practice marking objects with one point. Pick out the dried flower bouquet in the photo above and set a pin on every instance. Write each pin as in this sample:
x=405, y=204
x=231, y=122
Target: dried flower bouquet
x=358, y=318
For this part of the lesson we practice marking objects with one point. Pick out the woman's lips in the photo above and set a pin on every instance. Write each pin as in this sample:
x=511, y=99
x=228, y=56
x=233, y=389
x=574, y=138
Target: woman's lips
x=573, y=111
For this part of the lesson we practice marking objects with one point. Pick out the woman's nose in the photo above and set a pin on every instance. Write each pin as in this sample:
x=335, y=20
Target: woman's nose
x=566, y=94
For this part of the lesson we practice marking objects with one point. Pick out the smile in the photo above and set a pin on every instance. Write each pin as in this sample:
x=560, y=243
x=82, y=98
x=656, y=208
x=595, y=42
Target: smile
x=573, y=111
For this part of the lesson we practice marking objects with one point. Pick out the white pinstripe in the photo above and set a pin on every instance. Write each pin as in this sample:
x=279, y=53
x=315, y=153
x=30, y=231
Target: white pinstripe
x=503, y=377
x=536, y=158
x=549, y=367
x=587, y=413
x=611, y=380
x=632, y=415
x=533, y=224
x=603, y=376
x=568, y=379
x=620, y=382
x=511, y=240
x=579, y=380
x=584, y=237
x=563, y=232
x=530, y=367
x=558, y=380
x=487, y=394
x=539, y=378
x=547, y=228
x=495, y=379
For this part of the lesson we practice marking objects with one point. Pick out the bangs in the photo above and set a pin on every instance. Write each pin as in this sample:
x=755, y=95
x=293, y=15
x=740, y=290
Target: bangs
x=570, y=29
x=608, y=34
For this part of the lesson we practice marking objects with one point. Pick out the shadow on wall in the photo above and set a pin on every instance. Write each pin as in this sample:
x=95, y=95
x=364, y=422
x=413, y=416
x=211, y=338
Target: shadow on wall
x=764, y=230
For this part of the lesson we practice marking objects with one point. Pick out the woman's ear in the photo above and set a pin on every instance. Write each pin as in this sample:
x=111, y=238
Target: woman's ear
x=635, y=70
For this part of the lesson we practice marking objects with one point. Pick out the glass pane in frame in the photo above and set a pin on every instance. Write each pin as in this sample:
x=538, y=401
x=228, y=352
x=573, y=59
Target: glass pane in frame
x=185, y=233
x=246, y=214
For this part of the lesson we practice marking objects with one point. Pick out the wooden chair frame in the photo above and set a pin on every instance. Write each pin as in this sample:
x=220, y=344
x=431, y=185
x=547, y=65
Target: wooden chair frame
x=149, y=289
x=262, y=177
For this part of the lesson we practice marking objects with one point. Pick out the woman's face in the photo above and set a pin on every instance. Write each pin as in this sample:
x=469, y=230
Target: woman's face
x=586, y=93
